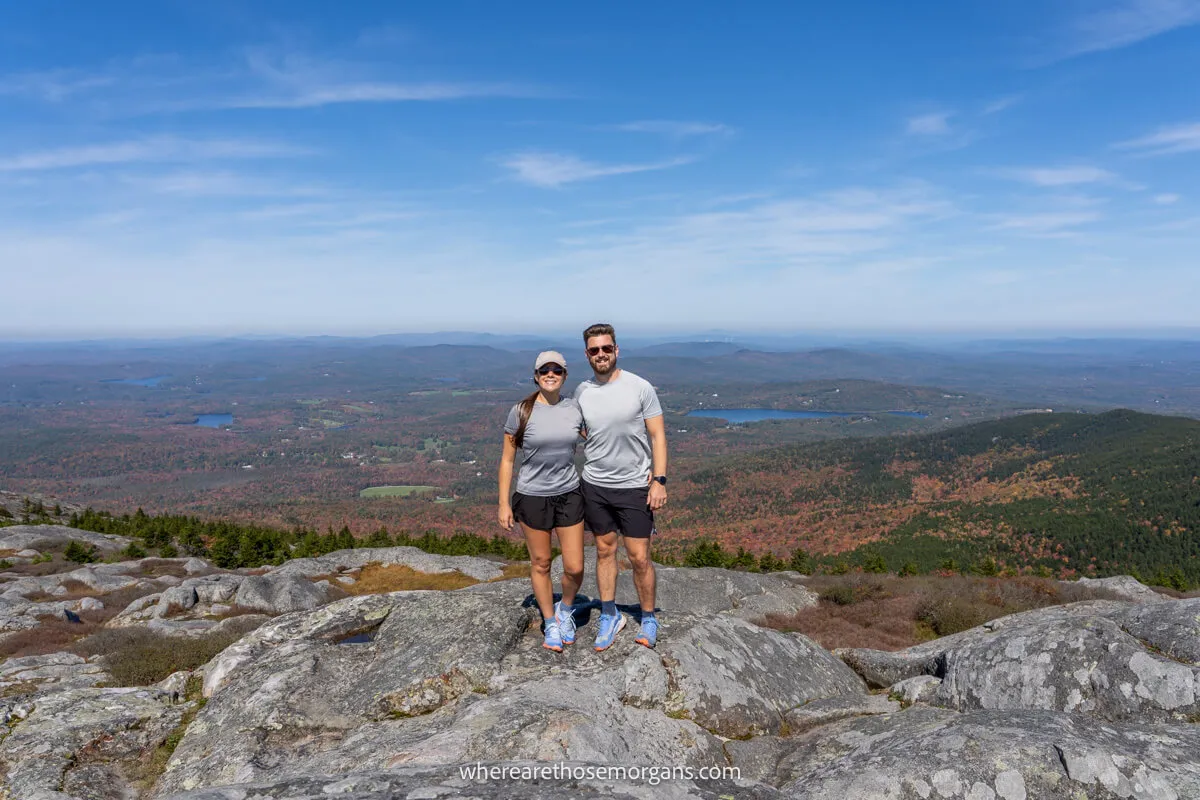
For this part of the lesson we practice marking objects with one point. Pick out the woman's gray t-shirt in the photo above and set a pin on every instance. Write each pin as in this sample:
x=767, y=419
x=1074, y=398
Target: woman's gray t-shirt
x=547, y=459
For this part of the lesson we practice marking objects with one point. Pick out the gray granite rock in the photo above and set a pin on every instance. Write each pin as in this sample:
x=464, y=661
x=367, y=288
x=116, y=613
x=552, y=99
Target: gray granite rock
x=71, y=743
x=480, y=569
x=1079, y=658
x=279, y=594
x=1010, y=755
x=48, y=537
x=921, y=689
x=1087, y=666
x=1123, y=587
x=290, y=699
x=1172, y=628
x=822, y=711
x=29, y=675
x=737, y=679
x=685, y=590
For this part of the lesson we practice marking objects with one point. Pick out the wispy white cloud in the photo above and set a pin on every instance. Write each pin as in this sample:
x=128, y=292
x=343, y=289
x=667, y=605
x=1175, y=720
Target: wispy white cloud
x=933, y=124
x=1056, y=176
x=218, y=184
x=1001, y=104
x=157, y=149
x=265, y=77
x=1119, y=23
x=674, y=128
x=315, y=96
x=53, y=86
x=823, y=232
x=288, y=79
x=1172, y=139
x=551, y=170
x=1046, y=223
x=1167, y=199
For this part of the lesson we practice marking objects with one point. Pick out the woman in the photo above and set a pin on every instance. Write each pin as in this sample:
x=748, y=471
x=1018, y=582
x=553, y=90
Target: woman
x=544, y=428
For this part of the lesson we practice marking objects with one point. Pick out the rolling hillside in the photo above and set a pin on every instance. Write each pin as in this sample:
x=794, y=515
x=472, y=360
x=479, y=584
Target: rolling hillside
x=1052, y=493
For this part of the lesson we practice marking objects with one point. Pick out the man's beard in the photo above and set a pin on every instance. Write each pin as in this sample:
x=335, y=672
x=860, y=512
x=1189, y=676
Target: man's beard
x=604, y=369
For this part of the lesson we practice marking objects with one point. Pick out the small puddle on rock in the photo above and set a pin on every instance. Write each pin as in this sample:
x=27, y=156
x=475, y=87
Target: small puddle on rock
x=357, y=638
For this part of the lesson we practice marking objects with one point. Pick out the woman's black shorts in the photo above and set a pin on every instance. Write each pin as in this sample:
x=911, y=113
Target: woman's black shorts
x=545, y=513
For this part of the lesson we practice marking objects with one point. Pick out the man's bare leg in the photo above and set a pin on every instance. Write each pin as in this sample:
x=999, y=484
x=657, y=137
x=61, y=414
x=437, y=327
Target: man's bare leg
x=606, y=565
x=644, y=576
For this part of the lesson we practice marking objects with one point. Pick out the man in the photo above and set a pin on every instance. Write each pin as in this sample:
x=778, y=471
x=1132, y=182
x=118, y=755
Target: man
x=624, y=478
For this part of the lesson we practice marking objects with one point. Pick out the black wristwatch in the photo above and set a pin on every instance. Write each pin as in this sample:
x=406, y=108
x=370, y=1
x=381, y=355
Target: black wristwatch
x=660, y=479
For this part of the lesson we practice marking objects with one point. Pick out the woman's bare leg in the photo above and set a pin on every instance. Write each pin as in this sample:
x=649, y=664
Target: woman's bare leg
x=570, y=539
x=538, y=544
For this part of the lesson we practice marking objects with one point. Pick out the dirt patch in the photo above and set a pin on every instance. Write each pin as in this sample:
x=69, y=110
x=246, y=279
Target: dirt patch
x=157, y=567
x=379, y=579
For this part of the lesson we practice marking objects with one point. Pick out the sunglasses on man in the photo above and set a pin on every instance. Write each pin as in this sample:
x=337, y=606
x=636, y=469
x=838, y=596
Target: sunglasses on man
x=550, y=369
x=604, y=348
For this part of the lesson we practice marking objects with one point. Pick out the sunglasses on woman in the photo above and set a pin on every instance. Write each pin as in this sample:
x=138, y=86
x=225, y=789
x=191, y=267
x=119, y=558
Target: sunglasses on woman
x=604, y=348
x=550, y=369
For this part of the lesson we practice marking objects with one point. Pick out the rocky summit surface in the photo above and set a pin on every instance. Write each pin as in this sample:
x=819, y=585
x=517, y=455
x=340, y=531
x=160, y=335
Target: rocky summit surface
x=432, y=694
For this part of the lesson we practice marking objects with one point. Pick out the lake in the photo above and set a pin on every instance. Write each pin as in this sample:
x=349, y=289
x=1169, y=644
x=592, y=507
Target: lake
x=213, y=420
x=137, y=381
x=736, y=416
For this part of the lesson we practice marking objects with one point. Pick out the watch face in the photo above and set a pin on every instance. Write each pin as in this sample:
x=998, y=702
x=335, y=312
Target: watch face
x=661, y=479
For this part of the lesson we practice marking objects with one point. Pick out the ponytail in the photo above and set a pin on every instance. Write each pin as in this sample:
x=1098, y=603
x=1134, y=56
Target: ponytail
x=524, y=412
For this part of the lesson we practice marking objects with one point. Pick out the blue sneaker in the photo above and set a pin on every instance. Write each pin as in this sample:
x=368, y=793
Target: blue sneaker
x=565, y=617
x=609, y=628
x=649, y=634
x=553, y=640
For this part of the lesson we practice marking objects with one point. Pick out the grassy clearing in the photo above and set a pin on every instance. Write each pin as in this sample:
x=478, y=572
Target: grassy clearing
x=395, y=491
x=518, y=569
x=379, y=579
x=887, y=612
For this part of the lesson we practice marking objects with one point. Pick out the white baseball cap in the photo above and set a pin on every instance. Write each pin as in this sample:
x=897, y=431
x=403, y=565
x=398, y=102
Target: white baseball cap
x=550, y=357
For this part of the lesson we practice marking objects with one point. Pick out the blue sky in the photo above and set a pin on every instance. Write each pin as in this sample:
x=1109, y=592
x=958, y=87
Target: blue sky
x=357, y=168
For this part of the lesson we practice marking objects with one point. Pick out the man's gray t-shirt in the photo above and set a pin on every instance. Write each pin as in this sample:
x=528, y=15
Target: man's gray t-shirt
x=547, y=457
x=617, y=449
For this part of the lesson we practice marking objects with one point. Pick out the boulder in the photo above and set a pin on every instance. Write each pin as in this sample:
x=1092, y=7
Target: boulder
x=1122, y=587
x=99, y=581
x=736, y=679
x=1077, y=658
x=1087, y=666
x=279, y=594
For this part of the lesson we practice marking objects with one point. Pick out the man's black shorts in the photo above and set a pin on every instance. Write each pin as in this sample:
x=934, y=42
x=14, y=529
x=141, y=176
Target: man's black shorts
x=626, y=511
x=545, y=513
